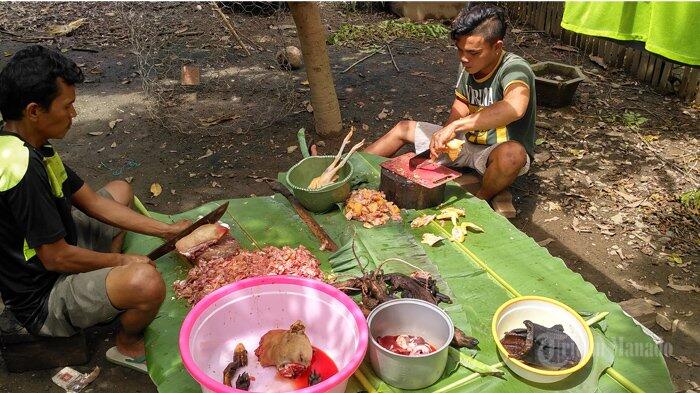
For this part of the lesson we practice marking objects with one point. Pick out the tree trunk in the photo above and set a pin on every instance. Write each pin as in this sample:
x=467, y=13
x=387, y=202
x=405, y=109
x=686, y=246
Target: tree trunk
x=307, y=19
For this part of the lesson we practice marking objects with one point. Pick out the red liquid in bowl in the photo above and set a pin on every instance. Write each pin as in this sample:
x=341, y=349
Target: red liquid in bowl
x=321, y=364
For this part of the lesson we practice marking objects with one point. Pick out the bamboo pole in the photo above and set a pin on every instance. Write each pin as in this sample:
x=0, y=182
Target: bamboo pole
x=230, y=27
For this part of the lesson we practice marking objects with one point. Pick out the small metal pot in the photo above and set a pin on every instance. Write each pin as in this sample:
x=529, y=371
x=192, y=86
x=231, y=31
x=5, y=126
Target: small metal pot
x=416, y=318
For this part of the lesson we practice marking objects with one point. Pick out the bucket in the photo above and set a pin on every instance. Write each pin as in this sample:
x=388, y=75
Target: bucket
x=243, y=311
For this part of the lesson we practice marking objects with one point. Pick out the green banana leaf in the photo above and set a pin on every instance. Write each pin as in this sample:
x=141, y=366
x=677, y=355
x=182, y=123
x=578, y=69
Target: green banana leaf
x=485, y=271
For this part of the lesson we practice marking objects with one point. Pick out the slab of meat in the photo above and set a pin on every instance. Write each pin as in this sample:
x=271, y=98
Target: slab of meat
x=200, y=239
x=226, y=247
x=213, y=269
x=288, y=350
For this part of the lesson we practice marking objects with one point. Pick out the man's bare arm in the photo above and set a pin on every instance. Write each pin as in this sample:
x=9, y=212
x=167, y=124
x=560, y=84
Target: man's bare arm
x=120, y=216
x=459, y=110
x=513, y=107
x=62, y=257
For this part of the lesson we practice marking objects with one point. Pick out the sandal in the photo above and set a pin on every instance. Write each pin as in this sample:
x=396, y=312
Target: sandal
x=138, y=363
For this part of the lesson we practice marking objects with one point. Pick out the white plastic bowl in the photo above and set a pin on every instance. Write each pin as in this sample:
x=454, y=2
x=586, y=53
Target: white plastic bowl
x=247, y=309
x=546, y=312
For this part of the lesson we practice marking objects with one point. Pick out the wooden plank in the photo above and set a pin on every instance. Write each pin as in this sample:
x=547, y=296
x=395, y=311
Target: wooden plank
x=641, y=71
x=592, y=45
x=564, y=36
x=602, y=48
x=691, y=87
x=599, y=48
x=684, y=82
x=617, y=54
x=629, y=57
x=589, y=45
x=636, y=58
x=548, y=18
x=663, y=79
x=657, y=73
x=559, y=12
x=620, y=54
x=653, y=60
x=542, y=16
x=612, y=54
x=608, y=54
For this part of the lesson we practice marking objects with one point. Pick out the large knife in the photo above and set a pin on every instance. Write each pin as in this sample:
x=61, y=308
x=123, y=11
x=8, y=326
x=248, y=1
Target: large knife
x=168, y=246
x=423, y=161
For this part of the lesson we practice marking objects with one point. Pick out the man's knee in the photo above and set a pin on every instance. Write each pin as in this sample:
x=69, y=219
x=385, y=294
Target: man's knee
x=509, y=156
x=404, y=130
x=121, y=192
x=145, y=283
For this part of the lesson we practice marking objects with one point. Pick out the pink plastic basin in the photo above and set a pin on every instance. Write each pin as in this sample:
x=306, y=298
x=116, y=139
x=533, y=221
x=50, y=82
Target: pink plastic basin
x=243, y=311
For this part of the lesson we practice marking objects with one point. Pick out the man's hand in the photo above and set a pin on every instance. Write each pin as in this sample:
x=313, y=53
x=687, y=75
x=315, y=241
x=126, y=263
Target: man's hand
x=440, y=138
x=175, y=228
x=128, y=259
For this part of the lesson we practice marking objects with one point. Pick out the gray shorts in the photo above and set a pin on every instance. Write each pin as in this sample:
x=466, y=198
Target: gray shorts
x=78, y=301
x=472, y=155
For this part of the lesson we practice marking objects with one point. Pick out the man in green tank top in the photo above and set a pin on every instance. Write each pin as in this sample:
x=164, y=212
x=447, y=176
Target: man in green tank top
x=493, y=110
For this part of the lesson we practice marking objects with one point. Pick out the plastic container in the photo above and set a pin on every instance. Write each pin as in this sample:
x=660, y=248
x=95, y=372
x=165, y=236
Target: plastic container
x=556, y=93
x=245, y=310
x=417, y=318
x=546, y=312
x=322, y=199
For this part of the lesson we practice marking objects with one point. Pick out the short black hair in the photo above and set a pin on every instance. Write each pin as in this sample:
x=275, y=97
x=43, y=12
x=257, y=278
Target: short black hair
x=486, y=20
x=32, y=75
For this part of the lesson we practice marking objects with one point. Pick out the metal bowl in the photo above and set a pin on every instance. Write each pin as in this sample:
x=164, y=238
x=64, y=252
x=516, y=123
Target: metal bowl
x=416, y=318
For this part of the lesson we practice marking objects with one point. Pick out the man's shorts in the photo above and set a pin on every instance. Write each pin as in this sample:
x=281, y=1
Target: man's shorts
x=78, y=301
x=472, y=155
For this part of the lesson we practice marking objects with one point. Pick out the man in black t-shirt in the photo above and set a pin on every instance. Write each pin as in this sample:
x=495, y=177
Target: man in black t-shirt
x=61, y=269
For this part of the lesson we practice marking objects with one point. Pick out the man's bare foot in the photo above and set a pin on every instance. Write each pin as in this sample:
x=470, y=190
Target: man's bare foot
x=502, y=204
x=313, y=150
x=129, y=345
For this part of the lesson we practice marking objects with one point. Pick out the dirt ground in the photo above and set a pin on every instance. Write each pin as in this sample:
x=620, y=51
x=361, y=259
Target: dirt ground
x=602, y=193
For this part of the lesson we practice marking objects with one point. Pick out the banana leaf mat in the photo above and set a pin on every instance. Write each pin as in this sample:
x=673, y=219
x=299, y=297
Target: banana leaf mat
x=480, y=274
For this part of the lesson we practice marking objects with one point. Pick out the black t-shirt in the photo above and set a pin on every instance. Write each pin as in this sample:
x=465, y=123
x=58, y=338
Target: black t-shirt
x=35, y=209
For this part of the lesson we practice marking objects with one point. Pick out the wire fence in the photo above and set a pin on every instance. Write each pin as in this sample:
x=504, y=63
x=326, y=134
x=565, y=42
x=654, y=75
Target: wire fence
x=230, y=47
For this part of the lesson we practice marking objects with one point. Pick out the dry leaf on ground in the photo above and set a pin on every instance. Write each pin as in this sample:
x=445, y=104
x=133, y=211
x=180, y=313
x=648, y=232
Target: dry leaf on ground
x=650, y=290
x=156, y=189
x=207, y=154
x=68, y=28
x=113, y=123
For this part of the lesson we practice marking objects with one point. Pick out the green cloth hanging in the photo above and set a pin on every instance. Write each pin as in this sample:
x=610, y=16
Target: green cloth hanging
x=668, y=29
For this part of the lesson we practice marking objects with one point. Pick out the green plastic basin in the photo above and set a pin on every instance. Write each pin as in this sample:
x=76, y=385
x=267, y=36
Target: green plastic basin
x=322, y=199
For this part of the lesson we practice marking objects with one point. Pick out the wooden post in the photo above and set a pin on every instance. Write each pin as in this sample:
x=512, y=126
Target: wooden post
x=312, y=37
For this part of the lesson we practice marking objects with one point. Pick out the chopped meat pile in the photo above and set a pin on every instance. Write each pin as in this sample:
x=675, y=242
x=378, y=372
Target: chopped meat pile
x=370, y=207
x=224, y=263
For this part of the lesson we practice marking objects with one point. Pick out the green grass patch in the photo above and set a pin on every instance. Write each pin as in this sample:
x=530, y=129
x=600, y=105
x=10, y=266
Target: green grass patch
x=691, y=201
x=386, y=30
